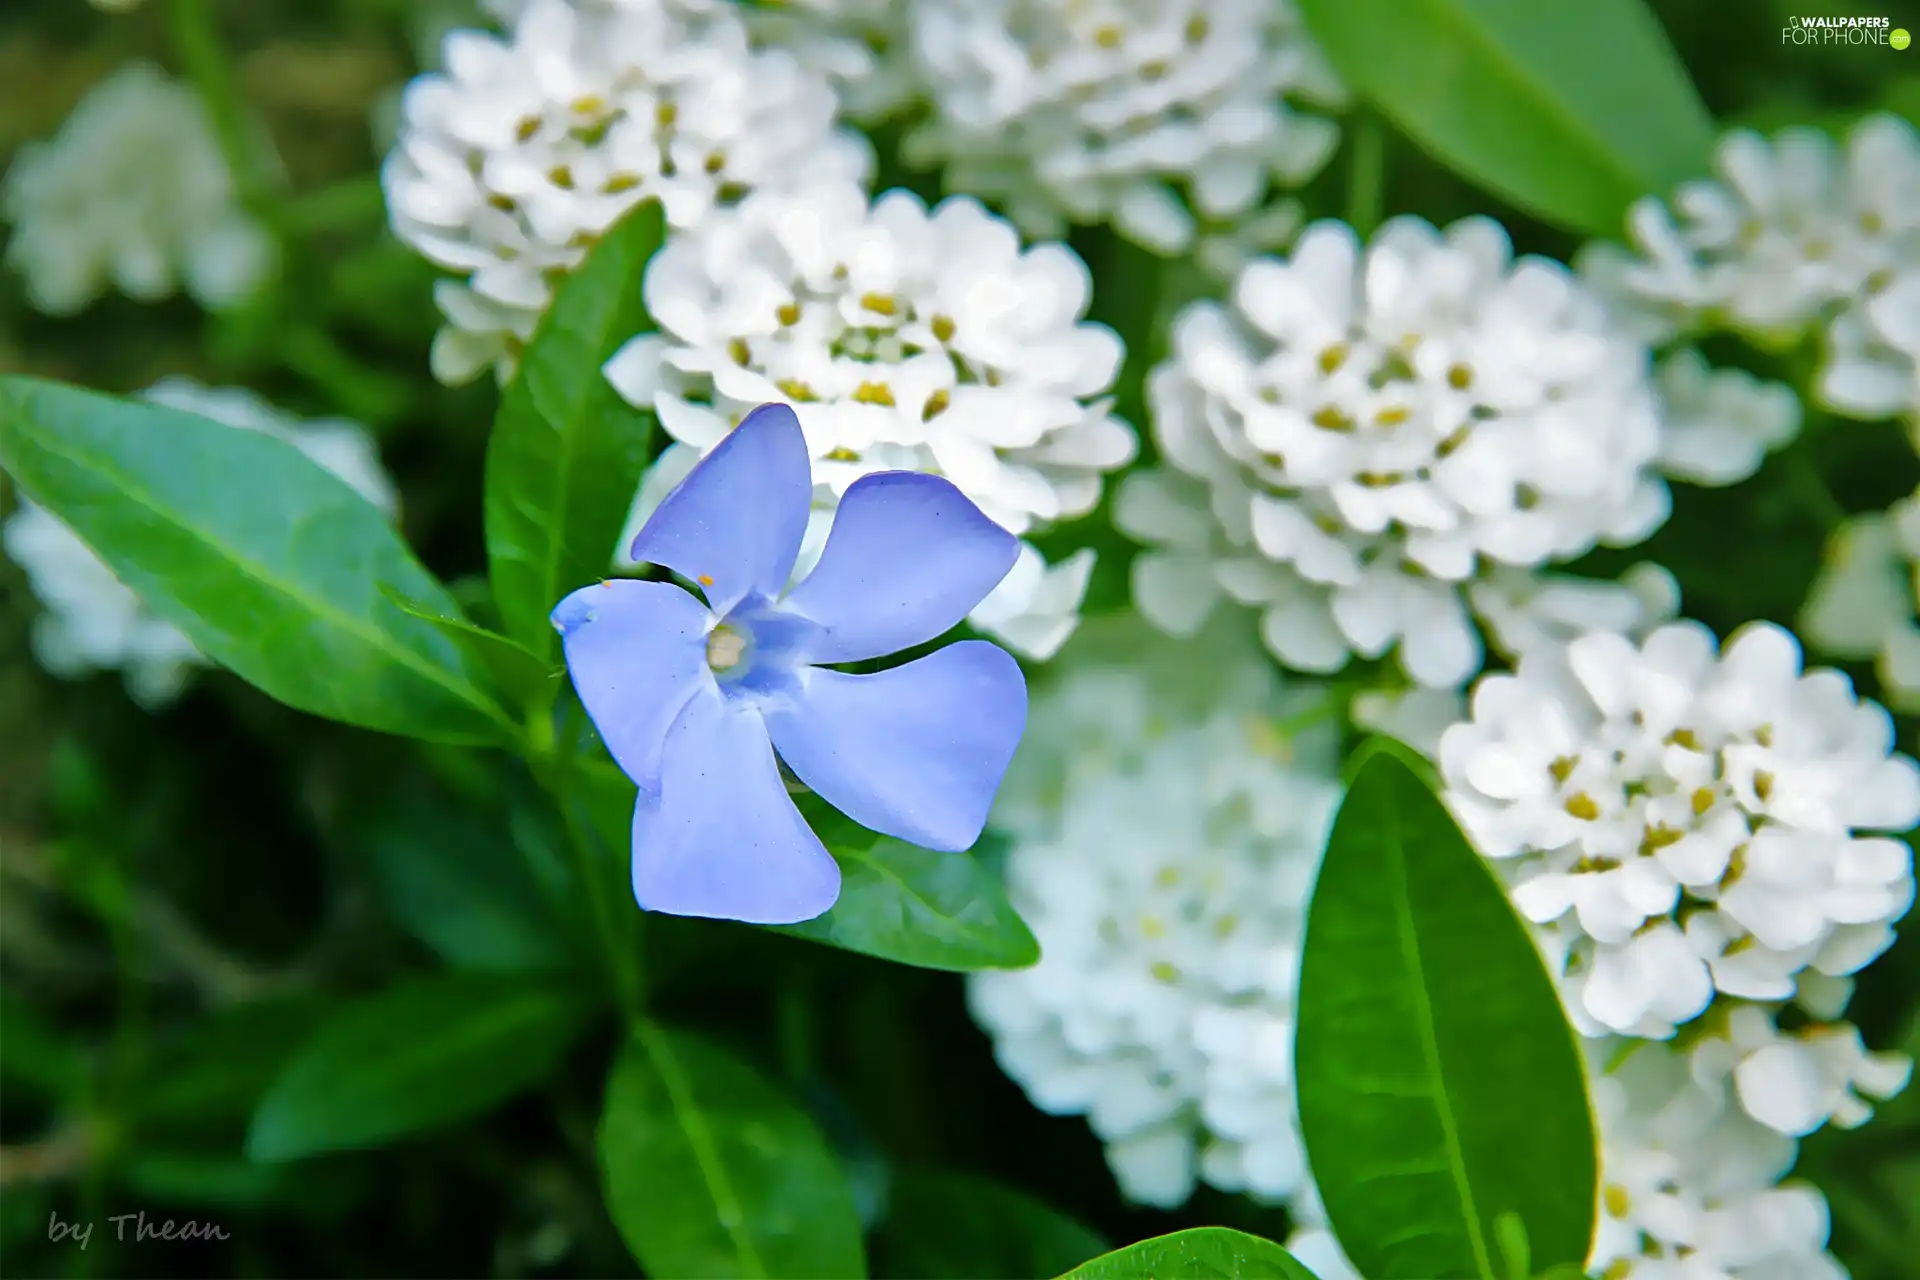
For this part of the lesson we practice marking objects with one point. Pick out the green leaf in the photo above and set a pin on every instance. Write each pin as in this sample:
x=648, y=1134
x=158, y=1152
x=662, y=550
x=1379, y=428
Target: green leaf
x=216, y=1073
x=457, y=880
x=35, y=1053
x=566, y=454
x=194, y=1178
x=1516, y=1252
x=1202, y=1253
x=413, y=1057
x=956, y=1226
x=272, y=565
x=1440, y=1087
x=1570, y=110
x=517, y=671
x=711, y=1171
x=607, y=796
x=915, y=906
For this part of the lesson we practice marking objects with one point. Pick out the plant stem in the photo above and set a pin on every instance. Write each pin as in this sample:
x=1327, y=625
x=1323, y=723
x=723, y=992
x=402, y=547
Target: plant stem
x=622, y=964
x=557, y=777
x=370, y=395
x=204, y=60
x=1366, y=172
x=347, y=205
x=793, y=1015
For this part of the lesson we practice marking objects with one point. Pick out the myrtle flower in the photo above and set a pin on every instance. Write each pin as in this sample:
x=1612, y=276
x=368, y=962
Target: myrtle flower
x=1863, y=604
x=132, y=194
x=1363, y=440
x=905, y=338
x=1163, y=118
x=528, y=147
x=93, y=622
x=693, y=699
x=1162, y=855
x=1683, y=820
x=1691, y=1186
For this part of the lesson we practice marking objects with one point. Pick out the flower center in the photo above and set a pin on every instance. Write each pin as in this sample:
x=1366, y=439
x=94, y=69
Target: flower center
x=725, y=647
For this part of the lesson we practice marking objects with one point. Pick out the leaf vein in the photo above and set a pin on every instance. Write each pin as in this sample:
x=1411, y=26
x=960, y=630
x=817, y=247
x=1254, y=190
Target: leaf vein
x=692, y=1123
x=1429, y=1041
x=318, y=606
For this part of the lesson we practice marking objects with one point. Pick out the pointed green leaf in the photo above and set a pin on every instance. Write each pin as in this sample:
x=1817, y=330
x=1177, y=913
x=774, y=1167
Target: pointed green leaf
x=1570, y=110
x=213, y=1076
x=957, y=1226
x=453, y=875
x=36, y=1053
x=196, y=1179
x=414, y=1057
x=518, y=672
x=1440, y=1086
x=1203, y=1253
x=914, y=906
x=271, y=564
x=710, y=1171
x=566, y=454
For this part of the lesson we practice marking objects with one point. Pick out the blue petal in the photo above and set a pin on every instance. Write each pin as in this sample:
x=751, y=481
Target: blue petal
x=636, y=651
x=909, y=555
x=916, y=751
x=722, y=838
x=734, y=524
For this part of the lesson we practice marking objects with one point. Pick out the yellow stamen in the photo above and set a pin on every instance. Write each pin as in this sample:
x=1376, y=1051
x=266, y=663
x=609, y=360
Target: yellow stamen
x=725, y=646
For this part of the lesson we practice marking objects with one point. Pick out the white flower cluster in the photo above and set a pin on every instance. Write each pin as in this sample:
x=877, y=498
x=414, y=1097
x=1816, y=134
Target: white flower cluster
x=1873, y=366
x=1864, y=604
x=93, y=622
x=1719, y=425
x=1162, y=851
x=905, y=338
x=1373, y=445
x=1691, y=1185
x=517, y=157
x=1684, y=822
x=857, y=45
x=1792, y=236
x=1158, y=115
x=133, y=194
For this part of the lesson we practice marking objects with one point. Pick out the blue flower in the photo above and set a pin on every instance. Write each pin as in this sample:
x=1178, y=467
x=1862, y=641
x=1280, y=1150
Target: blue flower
x=693, y=699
